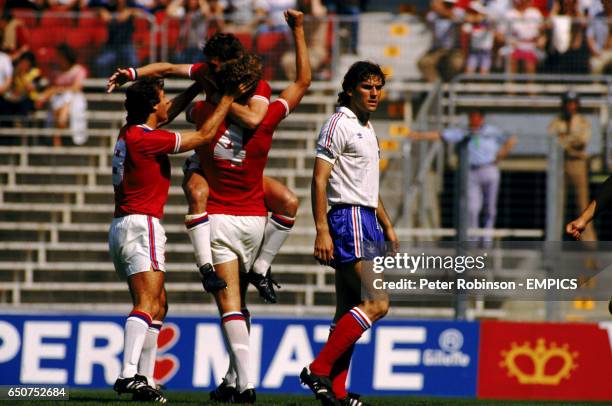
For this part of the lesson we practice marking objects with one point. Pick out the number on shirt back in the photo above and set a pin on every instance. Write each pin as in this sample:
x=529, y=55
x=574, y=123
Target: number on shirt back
x=119, y=162
x=230, y=146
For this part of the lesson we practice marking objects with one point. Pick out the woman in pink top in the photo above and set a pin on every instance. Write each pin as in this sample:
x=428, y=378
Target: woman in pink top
x=66, y=89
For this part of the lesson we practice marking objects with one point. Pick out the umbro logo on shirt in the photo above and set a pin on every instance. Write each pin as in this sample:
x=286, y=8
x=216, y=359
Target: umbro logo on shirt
x=359, y=135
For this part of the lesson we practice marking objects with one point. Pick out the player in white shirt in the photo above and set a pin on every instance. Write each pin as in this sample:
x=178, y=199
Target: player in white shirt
x=346, y=175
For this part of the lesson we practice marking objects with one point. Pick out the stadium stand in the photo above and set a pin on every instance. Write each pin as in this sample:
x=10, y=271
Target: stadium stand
x=56, y=203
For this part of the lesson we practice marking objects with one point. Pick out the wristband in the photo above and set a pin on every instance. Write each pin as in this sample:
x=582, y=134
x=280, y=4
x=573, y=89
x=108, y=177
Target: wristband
x=133, y=73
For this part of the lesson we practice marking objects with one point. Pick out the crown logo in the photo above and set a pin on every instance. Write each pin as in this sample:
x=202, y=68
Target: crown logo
x=540, y=355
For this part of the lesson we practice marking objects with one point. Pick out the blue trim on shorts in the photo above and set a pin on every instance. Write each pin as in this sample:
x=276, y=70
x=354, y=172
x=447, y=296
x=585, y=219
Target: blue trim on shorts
x=355, y=233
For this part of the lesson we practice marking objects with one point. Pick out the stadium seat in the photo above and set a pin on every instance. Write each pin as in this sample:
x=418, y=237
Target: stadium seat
x=28, y=16
x=271, y=46
x=44, y=38
x=142, y=39
x=246, y=39
x=45, y=56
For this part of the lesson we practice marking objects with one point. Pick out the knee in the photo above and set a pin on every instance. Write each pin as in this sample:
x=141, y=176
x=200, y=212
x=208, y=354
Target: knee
x=291, y=204
x=196, y=193
x=378, y=309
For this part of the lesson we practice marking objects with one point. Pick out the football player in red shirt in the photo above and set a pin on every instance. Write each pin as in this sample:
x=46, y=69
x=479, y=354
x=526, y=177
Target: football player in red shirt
x=279, y=199
x=141, y=179
x=234, y=163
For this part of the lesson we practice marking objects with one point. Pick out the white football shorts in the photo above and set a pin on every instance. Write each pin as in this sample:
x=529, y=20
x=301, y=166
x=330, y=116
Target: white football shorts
x=236, y=237
x=137, y=244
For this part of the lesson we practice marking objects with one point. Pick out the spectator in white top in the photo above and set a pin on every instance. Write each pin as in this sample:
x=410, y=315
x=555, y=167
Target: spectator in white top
x=568, y=51
x=523, y=31
x=600, y=41
x=6, y=73
x=270, y=14
x=234, y=16
x=478, y=42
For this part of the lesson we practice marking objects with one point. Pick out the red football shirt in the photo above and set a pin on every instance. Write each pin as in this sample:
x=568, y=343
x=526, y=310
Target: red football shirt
x=199, y=71
x=141, y=170
x=234, y=162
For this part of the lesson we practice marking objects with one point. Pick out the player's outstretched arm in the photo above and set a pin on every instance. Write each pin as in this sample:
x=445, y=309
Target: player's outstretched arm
x=324, y=246
x=295, y=91
x=158, y=70
x=207, y=131
x=180, y=102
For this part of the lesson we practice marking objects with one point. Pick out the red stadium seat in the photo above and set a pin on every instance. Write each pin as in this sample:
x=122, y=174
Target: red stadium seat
x=271, y=46
x=270, y=42
x=46, y=59
x=246, y=39
x=142, y=39
x=28, y=16
x=54, y=22
x=44, y=37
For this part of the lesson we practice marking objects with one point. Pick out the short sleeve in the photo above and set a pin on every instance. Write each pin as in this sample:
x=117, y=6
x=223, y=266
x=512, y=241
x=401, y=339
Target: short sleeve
x=500, y=136
x=263, y=92
x=277, y=111
x=332, y=140
x=453, y=135
x=198, y=72
x=159, y=142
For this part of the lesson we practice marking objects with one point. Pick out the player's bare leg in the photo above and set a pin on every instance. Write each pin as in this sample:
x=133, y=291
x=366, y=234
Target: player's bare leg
x=195, y=188
x=234, y=325
x=146, y=289
x=283, y=204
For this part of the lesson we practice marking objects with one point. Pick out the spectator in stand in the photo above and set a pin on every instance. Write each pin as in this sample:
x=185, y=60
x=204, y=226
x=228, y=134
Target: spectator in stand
x=6, y=73
x=599, y=37
x=270, y=14
x=119, y=48
x=478, y=39
x=194, y=27
x=25, y=4
x=568, y=51
x=65, y=96
x=350, y=9
x=523, y=35
x=14, y=35
x=315, y=28
x=445, y=59
x=26, y=86
x=234, y=16
x=64, y=5
x=573, y=132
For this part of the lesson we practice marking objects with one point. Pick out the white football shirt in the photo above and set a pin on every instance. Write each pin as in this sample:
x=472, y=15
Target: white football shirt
x=353, y=150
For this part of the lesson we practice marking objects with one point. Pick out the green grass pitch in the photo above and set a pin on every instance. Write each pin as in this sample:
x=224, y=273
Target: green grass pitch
x=95, y=397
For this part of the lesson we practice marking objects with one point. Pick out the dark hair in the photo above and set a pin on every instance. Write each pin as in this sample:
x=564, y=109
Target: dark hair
x=224, y=47
x=67, y=52
x=29, y=56
x=357, y=73
x=141, y=98
x=245, y=69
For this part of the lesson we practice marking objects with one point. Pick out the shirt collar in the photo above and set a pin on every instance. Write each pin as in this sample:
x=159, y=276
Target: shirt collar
x=146, y=127
x=345, y=110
